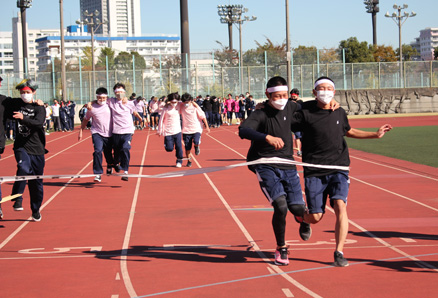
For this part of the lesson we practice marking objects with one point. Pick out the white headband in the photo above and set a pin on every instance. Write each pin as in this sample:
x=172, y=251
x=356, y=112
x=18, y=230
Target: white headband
x=119, y=90
x=324, y=81
x=102, y=94
x=277, y=88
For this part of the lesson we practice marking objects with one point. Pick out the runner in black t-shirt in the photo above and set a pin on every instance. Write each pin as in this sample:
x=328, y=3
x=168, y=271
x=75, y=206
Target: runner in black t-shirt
x=29, y=145
x=323, y=144
x=269, y=130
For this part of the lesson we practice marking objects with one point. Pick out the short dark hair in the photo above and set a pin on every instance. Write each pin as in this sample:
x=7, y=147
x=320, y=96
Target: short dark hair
x=118, y=85
x=276, y=81
x=295, y=91
x=186, y=97
x=172, y=96
x=101, y=90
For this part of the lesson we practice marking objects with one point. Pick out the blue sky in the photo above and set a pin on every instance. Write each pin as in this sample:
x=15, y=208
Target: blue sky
x=312, y=23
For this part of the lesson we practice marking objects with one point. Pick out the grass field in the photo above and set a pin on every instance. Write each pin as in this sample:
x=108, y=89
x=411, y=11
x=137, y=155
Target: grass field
x=418, y=144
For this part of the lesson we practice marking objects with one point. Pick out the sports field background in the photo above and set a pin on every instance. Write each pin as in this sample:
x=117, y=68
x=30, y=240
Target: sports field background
x=416, y=144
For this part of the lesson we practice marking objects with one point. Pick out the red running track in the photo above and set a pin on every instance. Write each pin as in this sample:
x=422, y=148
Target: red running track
x=210, y=235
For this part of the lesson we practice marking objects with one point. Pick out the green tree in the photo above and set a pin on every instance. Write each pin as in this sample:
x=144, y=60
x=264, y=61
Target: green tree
x=435, y=53
x=304, y=55
x=407, y=51
x=86, y=59
x=101, y=60
x=356, y=51
x=124, y=61
x=57, y=64
x=140, y=63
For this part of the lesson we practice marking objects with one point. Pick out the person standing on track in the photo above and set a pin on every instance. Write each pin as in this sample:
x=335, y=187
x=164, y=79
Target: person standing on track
x=269, y=130
x=2, y=135
x=323, y=143
x=295, y=96
x=29, y=145
x=101, y=132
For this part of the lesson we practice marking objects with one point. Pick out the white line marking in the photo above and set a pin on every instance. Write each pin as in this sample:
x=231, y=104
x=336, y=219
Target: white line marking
x=251, y=240
x=118, y=276
x=408, y=239
x=394, y=168
x=12, y=235
x=288, y=293
x=124, y=255
x=114, y=296
x=58, y=250
x=396, y=194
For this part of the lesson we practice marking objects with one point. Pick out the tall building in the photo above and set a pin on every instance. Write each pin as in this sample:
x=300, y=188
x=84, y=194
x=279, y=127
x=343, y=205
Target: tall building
x=122, y=16
x=6, y=53
x=426, y=43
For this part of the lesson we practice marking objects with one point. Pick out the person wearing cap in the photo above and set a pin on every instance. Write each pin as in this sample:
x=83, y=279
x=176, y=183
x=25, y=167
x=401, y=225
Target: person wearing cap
x=295, y=96
x=269, y=130
x=170, y=127
x=101, y=132
x=29, y=145
x=123, y=127
x=323, y=143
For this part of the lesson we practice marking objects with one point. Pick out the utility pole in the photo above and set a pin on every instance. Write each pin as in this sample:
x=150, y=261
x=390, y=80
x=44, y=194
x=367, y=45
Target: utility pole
x=372, y=7
x=23, y=5
x=288, y=53
x=63, y=78
x=185, y=42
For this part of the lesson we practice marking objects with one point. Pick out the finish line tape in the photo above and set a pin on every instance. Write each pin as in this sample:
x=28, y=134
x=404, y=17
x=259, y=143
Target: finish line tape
x=271, y=160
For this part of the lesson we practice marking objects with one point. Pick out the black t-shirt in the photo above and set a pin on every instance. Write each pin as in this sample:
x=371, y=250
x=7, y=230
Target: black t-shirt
x=2, y=124
x=206, y=104
x=270, y=121
x=215, y=106
x=30, y=130
x=323, y=137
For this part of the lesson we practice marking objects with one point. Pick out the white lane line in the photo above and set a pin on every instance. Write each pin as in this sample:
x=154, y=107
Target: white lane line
x=394, y=168
x=12, y=235
x=395, y=194
x=408, y=240
x=287, y=293
x=118, y=276
x=124, y=255
x=252, y=242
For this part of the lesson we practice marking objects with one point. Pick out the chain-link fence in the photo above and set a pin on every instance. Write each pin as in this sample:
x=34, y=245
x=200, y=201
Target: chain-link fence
x=211, y=74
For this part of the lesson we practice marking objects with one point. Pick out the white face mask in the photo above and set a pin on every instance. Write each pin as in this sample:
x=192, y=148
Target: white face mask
x=101, y=102
x=27, y=97
x=186, y=105
x=324, y=96
x=279, y=104
x=174, y=104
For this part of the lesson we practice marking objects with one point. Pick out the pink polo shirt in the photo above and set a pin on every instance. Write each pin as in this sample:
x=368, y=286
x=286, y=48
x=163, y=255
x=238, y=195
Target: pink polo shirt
x=122, y=116
x=101, y=123
x=153, y=106
x=229, y=105
x=139, y=105
x=192, y=118
x=170, y=123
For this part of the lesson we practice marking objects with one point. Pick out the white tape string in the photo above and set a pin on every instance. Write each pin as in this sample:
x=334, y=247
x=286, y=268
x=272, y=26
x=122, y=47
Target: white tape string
x=271, y=160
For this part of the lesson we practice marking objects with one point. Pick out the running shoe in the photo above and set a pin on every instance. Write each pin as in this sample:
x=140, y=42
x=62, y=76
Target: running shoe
x=1, y=213
x=97, y=178
x=117, y=168
x=281, y=257
x=109, y=170
x=340, y=261
x=18, y=205
x=305, y=231
x=36, y=216
x=189, y=163
x=125, y=178
x=197, y=150
x=178, y=164
x=299, y=153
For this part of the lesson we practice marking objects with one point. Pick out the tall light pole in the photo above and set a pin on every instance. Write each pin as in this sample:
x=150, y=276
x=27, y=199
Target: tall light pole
x=373, y=8
x=399, y=20
x=23, y=5
x=63, y=78
x=288, y=53
x=185, y=42
x=229, y=14
x=240, y=22
x=92, y=22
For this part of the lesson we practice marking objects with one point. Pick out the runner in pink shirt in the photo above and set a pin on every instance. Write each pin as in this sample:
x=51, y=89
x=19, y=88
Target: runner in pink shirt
x=192, y=115
x=123, y=127
x=170, y=127
x=140, y=108
x=101, y=128
x=153, y=109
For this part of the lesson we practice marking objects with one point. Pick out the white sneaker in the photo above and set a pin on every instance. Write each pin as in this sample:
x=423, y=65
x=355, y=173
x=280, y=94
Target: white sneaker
x=125, y=178
x=97, y=178
x=178, y=164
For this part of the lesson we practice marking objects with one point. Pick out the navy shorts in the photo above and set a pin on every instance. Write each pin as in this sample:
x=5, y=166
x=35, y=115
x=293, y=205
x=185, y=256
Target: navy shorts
x=298, y=135
x=191, y=138
x=276, y=182
x=335, y=186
